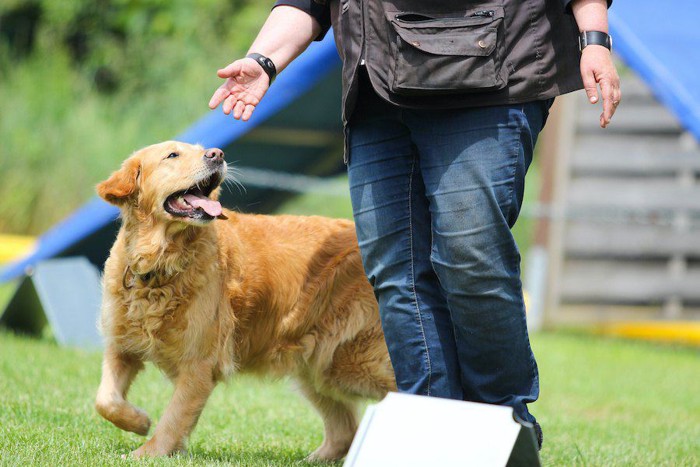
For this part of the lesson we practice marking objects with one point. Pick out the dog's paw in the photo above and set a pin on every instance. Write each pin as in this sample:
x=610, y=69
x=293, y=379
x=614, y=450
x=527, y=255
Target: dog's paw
x=125, y=416
x=328, y=452
x=139, y=423
x=152, y=448
x=133, y=419
x=149, y=449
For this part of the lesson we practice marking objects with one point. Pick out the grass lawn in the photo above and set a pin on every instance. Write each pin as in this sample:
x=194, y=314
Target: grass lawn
x=604, y=402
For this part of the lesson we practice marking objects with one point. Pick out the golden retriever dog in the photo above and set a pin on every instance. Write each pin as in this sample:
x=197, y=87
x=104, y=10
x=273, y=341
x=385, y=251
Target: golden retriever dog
x=205, y=293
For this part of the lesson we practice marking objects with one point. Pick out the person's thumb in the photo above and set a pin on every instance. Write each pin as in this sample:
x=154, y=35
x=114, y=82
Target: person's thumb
x=230, y=71
x=590, y=85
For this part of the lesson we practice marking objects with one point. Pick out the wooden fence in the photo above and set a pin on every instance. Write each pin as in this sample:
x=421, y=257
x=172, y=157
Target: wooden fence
x=622, y=224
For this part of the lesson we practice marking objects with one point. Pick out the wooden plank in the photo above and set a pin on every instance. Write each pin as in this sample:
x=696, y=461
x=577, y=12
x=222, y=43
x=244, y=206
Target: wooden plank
x=616, y=145
x=587, y=239
x=563, y=112
x=645, y=118
x=633, y=194
x=618, y=282
x=635, y=163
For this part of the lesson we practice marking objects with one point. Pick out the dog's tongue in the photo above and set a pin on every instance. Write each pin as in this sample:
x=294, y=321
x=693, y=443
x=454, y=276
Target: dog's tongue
x=211, y=207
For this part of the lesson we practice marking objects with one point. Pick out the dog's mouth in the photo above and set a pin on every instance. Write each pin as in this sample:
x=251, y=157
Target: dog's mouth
x=194, y=202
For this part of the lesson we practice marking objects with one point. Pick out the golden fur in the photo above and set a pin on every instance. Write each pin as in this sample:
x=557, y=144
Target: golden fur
x=205, y=299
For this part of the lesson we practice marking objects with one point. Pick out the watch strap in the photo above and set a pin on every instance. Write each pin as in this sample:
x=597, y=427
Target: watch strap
x=267, y=65
x=587, y=38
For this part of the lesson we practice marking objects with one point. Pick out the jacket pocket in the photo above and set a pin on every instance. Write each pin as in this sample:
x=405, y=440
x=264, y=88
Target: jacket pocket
x=448, y=54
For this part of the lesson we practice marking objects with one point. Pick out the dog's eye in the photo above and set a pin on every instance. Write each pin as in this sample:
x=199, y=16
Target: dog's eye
x=172, y=155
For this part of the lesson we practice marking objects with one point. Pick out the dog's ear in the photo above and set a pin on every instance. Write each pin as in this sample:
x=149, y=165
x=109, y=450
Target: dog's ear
x=121, y=184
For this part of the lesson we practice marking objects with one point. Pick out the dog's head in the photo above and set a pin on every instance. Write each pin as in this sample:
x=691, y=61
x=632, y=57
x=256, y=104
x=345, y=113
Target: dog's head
x=170, y=181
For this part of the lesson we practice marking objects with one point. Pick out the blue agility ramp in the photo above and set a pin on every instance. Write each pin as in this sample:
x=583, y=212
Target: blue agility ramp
x=296, y=129
x=660, y=41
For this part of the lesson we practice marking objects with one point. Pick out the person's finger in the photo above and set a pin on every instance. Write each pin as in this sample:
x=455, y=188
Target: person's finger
x=230, y=70
x=608, y=107
x=617, y=96
x=238, y=110
x=248, y=112
x=589, y=84
x=228, y=104
x=219, y=95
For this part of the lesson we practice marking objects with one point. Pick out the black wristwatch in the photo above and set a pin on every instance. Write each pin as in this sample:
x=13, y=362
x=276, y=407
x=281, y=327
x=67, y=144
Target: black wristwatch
x=594, y=38
x=267, y=65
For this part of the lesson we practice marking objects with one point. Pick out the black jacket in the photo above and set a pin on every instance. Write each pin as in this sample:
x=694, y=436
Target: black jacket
x=450, y=53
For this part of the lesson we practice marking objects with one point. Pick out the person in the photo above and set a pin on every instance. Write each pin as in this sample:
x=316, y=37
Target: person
x=442, y=106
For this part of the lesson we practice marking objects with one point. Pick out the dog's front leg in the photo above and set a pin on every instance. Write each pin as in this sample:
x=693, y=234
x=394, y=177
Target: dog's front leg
x=193, y=386
x=118, y=371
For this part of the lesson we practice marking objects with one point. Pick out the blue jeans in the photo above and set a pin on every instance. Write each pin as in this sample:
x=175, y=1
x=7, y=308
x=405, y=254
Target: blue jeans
x=434, y=196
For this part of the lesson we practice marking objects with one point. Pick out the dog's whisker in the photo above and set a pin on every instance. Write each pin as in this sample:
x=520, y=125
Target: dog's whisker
x=231, y=180
x=233, y=172
x=231, y=183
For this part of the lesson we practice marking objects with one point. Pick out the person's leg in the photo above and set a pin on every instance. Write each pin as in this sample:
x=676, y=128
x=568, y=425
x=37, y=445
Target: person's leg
x=393, y=228
x=473, y=163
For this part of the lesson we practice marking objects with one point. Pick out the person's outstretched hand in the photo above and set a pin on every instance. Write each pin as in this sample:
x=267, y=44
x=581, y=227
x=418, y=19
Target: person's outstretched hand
x=246, y=84
x=598, y=69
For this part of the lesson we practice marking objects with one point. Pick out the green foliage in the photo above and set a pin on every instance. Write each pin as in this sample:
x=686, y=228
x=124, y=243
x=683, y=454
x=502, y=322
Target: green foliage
x=603, y=402
x=101, y=79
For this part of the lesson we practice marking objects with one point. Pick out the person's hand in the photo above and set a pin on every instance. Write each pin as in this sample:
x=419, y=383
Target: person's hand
x=597, y=69
x=246, y=84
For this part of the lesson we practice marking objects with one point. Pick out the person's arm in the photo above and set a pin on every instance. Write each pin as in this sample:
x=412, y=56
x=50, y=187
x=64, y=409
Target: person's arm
x=597, y=67
x=287, y=32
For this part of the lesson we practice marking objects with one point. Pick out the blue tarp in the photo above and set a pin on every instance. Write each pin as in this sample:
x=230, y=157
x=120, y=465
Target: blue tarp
x=660, y=41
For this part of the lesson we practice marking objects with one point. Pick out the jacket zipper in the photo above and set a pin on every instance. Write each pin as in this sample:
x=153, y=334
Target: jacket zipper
x=363, y=52
x=477, y=14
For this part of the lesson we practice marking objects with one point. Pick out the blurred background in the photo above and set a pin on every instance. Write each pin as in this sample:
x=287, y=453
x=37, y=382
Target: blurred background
x=609, y=233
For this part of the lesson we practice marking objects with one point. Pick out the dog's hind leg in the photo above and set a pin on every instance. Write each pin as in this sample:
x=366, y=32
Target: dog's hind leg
x=193, y=385
x=118, y=371
x=340, y=424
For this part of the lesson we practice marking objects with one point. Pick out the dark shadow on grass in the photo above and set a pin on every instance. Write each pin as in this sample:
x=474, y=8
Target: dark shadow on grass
x=247, y=457
x=260, y=456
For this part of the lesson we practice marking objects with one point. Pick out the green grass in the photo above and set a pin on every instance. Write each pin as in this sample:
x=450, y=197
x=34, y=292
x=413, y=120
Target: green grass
x=312, y=204
x=604, y=402
x=47, y=416
x=60, y=136
x=613, y=402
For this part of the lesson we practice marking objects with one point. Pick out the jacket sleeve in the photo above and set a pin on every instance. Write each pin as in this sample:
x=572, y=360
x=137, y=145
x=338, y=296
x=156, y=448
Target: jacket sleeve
x=318, y=9
x=567, y=4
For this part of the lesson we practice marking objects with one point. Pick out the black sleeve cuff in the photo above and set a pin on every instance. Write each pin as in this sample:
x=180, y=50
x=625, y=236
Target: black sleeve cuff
x=318, y=9
x=567, y=5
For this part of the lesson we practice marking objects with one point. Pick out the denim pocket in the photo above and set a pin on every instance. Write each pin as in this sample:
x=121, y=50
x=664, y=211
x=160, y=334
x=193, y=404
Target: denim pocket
x=448, y=54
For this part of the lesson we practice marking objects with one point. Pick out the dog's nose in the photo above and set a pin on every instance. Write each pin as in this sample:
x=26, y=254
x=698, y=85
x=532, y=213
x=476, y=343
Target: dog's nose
x=214, y=154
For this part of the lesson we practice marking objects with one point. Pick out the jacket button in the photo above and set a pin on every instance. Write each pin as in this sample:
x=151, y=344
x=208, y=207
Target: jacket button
x=482, y=44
